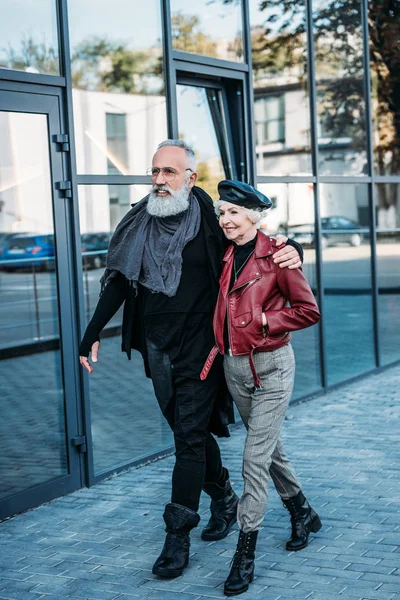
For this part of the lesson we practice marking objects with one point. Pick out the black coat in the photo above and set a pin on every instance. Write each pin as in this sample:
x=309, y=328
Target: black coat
x=133, y=336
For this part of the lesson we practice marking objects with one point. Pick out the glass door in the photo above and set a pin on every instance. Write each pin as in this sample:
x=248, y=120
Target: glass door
x=39, y=448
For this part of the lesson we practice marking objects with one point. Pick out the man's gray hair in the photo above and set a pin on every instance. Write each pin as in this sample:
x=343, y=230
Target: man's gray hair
x=188, y=149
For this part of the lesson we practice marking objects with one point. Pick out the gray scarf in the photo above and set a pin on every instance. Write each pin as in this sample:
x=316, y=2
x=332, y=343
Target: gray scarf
x=148, y=250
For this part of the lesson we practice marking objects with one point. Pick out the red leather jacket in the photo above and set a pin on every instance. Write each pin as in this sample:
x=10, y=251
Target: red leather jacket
x=262, y=286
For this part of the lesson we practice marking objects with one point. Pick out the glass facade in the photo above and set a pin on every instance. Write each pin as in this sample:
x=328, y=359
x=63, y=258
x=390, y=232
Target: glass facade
x=388, y=269
x=339, y=69
x=385, y=82
x=212, y=29
x=100, y=213
x=292, y=214
x=28, y=33
x=32, y=390
x=298, y=98
x=117, y=70
x=279, y=51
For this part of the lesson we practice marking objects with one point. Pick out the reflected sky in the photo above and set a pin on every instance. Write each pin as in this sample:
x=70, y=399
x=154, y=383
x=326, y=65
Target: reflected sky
x=27, y=20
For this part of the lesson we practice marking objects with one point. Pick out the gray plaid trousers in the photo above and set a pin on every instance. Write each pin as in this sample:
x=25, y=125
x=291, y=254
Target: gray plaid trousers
x=263, y=412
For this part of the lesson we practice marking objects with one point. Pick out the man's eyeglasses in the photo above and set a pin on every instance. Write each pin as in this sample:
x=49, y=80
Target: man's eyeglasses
x=168, y=173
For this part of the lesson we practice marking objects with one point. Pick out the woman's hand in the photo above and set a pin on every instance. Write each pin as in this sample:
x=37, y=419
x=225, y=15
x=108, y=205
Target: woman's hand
x=264, y=319
x=85, y=361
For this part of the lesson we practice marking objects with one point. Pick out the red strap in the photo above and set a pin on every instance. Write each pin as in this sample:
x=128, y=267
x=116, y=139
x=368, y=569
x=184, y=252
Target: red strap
x=257, y=382
x=209, y=362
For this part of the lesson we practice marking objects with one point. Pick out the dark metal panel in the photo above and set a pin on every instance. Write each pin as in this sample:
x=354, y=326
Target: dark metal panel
x=33, y=497
x=23, y=77
x=113, y=180
x=248, y=99
x=169, y=71
x=208, y=61
x=314, y=157
x=220, y=132
x=64, y=291
x=371, y=187
x=80, y=382
x=193, y=68
x=209, y=82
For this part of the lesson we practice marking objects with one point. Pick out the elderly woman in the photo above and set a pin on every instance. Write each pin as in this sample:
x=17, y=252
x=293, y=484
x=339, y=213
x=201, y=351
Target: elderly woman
x=251, y=325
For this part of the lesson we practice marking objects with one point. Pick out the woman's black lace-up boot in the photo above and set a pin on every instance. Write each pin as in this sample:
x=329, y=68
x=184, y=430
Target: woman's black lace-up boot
x=242, y=566
x=179, y=521
x=304, y=520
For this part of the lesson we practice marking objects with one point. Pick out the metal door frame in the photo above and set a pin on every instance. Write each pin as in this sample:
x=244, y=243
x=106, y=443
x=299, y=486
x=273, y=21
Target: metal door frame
x=45, y=100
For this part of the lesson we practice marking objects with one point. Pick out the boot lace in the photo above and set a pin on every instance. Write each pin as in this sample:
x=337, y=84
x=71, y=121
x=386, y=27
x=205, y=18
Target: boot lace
x=241, y=551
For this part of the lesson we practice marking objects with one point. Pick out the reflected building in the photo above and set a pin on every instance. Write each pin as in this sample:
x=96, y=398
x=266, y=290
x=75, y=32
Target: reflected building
x=295, y=98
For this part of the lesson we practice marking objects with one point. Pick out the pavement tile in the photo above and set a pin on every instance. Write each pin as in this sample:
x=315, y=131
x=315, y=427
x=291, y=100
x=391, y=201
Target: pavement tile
x=100, y=543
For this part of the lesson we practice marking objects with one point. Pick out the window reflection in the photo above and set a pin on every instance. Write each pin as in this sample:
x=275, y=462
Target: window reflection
x=384, y=35
x=388, y=263
x=118, y=79
x=281, y=106
x=133, y=401
x=347, y=280
x=292, y=214
x=28, y=37
x=208, y=27
x=340, y=88
x=32, y=425
x=198, y=120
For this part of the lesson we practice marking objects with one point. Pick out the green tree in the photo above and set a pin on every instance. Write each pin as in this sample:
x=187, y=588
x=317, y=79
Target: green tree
x=98, y=64
x=187, y=37
x=278, y=47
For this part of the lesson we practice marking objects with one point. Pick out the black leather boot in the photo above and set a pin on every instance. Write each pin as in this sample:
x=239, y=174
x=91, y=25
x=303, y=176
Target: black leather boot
x=223, y=509
x=242, y=566
x=304, y=520
x=174, y=557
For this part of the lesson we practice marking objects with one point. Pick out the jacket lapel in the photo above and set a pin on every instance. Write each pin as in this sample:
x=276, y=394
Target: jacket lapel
x=251, y=271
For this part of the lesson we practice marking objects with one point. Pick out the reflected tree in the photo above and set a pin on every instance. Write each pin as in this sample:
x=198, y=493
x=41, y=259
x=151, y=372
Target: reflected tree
x=101, y=65
x=207, y=179
x=187, y=37
x=33, y=56
x=277, y=48
x=384, y=39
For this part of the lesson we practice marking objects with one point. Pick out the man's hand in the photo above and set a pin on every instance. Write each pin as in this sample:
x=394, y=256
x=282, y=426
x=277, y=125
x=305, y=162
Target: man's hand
x=85, y=361
x=286, y=256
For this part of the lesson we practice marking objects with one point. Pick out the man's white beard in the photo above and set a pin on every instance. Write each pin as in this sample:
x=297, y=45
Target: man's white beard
x=167, y=206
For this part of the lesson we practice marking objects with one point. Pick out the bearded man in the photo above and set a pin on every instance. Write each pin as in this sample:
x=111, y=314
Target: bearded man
x=164, y=264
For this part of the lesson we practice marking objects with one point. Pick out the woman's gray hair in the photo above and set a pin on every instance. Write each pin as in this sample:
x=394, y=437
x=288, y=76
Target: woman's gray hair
x=192, y=163
x=254, y=215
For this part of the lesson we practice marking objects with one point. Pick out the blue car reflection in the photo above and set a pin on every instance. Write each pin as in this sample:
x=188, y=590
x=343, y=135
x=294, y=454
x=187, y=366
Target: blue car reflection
x=22, y=251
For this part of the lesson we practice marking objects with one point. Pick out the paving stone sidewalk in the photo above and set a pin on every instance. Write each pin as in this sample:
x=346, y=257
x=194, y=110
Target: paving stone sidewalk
x=100, y=543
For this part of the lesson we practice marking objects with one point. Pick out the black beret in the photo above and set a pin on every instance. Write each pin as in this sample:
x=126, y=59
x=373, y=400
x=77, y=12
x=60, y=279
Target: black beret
x=243, y=194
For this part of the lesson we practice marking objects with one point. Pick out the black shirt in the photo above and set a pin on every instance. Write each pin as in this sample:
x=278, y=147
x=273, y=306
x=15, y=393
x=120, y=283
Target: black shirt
x=181, y=326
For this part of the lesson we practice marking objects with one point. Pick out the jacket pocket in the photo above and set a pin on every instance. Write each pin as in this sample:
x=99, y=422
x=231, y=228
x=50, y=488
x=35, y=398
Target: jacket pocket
x=243, y=320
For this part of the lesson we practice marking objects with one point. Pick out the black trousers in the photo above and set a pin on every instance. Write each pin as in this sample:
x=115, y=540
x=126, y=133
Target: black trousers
x=187, y=403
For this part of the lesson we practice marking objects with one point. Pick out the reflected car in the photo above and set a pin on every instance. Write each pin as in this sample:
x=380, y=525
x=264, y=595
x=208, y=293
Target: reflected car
x=94, y=248
x=334, y=230
x=24, y=251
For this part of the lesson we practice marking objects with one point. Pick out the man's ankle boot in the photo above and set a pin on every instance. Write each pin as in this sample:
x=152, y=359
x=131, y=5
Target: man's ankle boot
x=242, y=566
x=179, y=521
x=223, y=509
x=304, y=520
